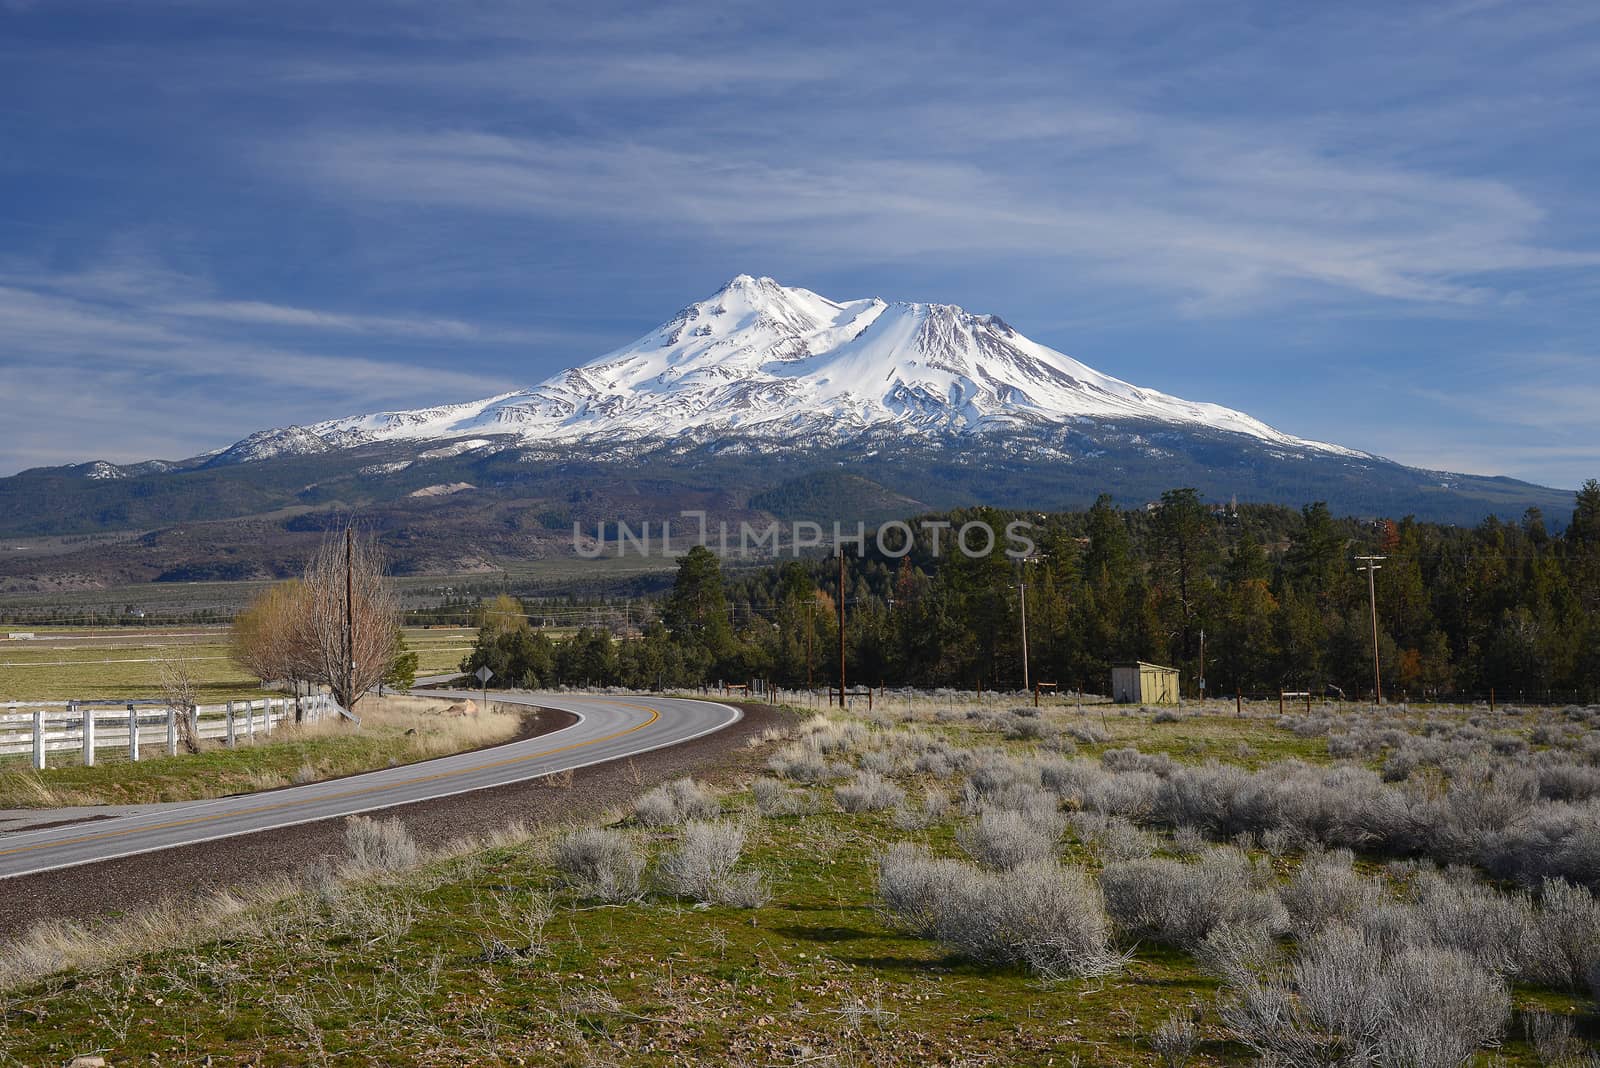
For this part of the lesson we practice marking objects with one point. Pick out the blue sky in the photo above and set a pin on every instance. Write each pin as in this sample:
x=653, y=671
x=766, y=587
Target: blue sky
x=1367, y=223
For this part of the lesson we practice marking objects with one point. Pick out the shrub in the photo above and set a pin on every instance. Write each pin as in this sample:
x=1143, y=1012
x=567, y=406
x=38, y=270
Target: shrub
x=1327, y=888
x=996, y=770
x=1174, y=1041
x=915, y=889
x=380, y=845
x=1454, y=911
x=1568, y=935
x=704, y=866
x=1181, y=903
x=603, y=865
x=935, y=803
x=878, y=760
x=772, y=798
x=1344, y=1000
x=1087, y=733
x=676, y=802
x=801, y=763
x=1568, y=782
x=1133, y=760
x=1041, y=915
x=868, y=792
x=1551, y=1038
x=1188, y=841
x=1005, y=838
x=1113, y=838
x=1133, y=794
x=1276, y=841
x=1070, y=780
x=1442, y=1009
x=1237, y=953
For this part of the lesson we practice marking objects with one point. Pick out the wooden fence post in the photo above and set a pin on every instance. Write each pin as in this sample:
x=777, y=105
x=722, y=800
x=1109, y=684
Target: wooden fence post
x=250, y=720
x=133, y=732
x=172, y=731
x=233, y=741
x=193, y=716
x=266, y=707
x=38, y=739
x=86, y=730
x=1280, y=700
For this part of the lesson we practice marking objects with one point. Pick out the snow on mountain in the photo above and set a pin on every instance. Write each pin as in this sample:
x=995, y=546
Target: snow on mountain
x=764, y=361
x=267, y=444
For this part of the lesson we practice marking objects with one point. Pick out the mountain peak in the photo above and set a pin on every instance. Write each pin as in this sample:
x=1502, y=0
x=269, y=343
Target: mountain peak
x=761, y=360
x=749, y=281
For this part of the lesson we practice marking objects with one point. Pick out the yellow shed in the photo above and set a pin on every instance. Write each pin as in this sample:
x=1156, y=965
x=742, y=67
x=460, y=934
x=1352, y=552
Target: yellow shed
x=1144, y=684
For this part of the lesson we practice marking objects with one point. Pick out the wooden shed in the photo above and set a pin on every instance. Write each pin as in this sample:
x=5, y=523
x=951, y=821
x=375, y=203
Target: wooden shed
x=1144, y=684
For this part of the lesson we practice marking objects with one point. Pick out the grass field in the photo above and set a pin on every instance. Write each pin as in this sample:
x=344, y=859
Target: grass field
x=167, y=600
x=64, y=663
x=488, y=955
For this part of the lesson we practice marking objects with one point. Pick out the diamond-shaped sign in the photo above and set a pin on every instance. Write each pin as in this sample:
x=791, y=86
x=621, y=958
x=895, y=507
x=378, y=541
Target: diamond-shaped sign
x=483, y=674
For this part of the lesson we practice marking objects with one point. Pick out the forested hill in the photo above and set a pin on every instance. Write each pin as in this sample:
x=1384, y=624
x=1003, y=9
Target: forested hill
x=1276, y=593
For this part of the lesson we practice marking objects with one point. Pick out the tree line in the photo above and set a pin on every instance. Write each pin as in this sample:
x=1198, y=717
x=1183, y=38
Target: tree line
x=1270, y=597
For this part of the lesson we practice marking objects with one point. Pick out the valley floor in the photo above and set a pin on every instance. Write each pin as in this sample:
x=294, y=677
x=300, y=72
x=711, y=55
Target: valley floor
x=749, y=925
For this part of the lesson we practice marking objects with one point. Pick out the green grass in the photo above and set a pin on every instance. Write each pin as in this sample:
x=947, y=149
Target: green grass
x=816, y=976
x=129, y=670
x=125, y=663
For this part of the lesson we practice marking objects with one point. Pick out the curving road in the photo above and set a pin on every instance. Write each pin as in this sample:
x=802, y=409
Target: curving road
x=607, y=729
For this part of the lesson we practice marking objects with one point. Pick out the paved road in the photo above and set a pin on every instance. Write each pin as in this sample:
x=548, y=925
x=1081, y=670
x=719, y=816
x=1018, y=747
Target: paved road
x=608, y=728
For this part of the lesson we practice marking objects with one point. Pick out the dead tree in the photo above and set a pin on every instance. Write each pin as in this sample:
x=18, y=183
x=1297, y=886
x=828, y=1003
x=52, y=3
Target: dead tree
x=351, y=620
x=182, y=695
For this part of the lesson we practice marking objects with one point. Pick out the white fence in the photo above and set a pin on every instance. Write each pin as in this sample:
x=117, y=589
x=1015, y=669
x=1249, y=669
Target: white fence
x=40, y=728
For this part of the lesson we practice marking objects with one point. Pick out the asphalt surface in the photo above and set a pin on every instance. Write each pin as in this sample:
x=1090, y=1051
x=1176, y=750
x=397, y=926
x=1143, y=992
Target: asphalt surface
x=607, y=729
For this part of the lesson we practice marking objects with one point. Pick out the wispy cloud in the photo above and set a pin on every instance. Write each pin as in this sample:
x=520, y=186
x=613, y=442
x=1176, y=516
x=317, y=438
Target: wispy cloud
x=1209, y=214
x=265, y=314
x=133, y=381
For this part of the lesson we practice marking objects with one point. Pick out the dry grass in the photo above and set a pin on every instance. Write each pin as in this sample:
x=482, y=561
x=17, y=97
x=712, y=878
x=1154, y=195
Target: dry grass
x=64, y=945
x=425, y=723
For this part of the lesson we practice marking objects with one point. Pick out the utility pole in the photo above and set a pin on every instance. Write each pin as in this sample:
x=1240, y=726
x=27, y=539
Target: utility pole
x=1022, y=590
x=841, y=627
x=349, y=616
x=811, y=607
x=1371, y=566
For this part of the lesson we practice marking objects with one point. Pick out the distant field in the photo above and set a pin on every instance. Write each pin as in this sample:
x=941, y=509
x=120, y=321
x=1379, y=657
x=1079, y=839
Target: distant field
x=64, y=663
x=167, y=599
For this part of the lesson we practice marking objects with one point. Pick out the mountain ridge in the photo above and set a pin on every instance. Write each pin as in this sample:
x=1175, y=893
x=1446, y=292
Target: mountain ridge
x=762, y=360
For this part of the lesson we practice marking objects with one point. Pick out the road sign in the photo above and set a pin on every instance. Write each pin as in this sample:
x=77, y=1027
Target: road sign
x=483, y=674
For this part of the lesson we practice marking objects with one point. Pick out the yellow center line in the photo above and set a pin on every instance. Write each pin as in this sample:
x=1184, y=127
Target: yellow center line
x=654, y=715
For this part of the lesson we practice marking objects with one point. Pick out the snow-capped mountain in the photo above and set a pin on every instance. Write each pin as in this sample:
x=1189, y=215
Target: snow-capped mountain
x=761, y=401
x=772, y=363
